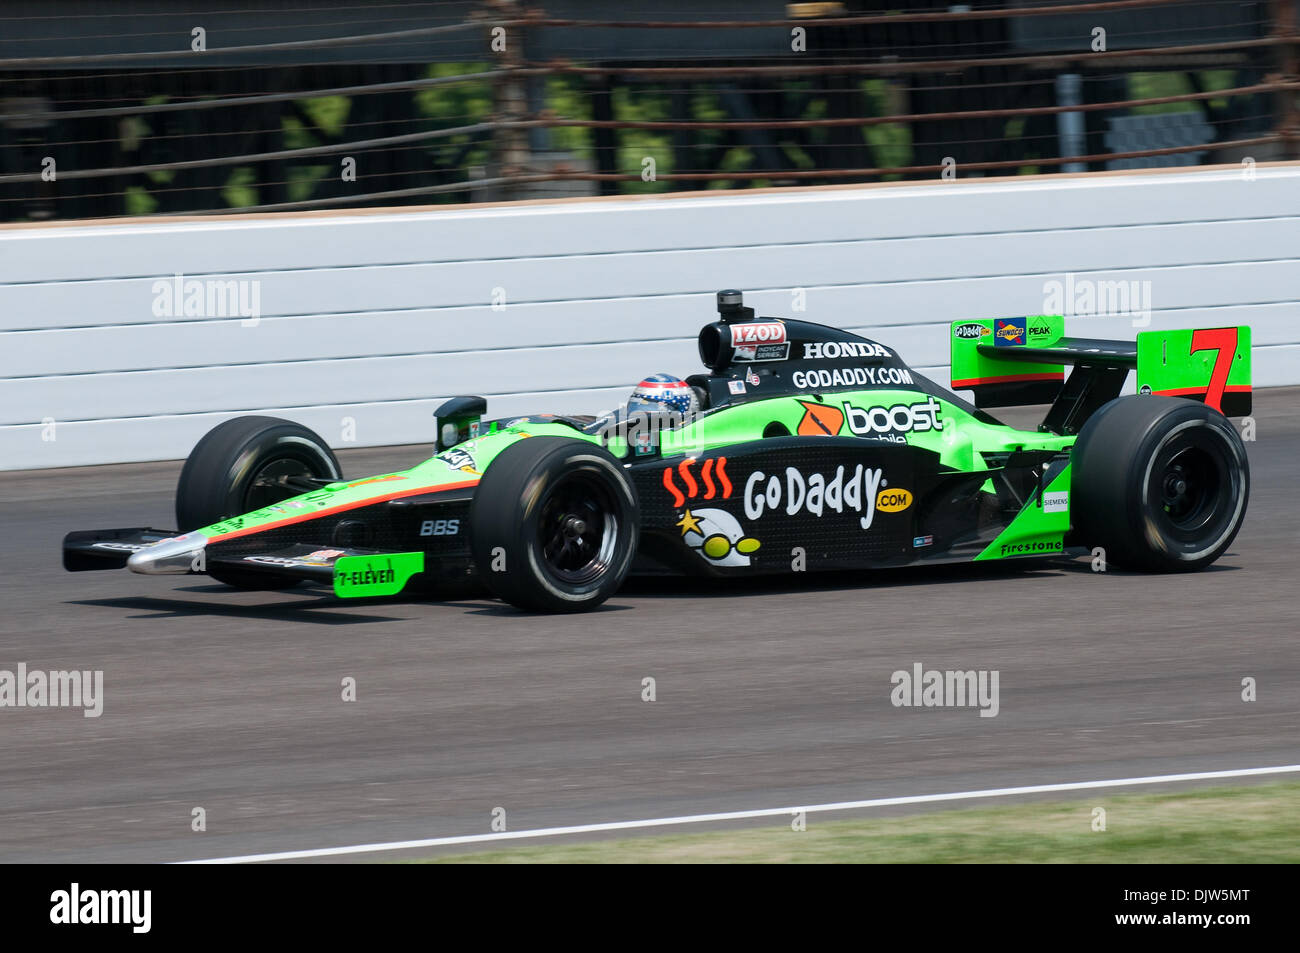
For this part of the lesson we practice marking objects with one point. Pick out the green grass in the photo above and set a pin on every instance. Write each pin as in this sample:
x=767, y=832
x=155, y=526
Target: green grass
x=1252, y=824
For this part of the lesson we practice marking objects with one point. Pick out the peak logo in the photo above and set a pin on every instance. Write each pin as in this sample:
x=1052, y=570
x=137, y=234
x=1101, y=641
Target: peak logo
x=1010, y=332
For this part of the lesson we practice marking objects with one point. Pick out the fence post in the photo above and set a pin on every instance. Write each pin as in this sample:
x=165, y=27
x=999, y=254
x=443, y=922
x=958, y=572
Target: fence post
x=509, y=95
x=1286, y=27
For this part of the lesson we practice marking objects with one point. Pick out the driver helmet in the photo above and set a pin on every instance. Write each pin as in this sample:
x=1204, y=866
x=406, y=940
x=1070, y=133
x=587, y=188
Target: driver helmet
x=663, y=393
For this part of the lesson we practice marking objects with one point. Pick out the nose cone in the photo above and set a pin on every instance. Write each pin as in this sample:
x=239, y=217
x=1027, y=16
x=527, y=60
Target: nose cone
x=174, y=555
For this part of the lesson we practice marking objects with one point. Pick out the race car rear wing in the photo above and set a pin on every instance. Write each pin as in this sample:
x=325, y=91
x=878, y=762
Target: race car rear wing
x=1014, y=361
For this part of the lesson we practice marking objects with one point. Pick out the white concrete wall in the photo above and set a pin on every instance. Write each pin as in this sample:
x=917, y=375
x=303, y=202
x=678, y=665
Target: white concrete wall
x=378, y=317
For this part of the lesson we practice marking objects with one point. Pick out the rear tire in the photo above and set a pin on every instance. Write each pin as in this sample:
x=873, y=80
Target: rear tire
x=1160, y=483
x=228, y=473
x=554, y=525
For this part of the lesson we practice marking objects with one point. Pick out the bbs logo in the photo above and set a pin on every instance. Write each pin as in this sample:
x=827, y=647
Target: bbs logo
x=440, y=527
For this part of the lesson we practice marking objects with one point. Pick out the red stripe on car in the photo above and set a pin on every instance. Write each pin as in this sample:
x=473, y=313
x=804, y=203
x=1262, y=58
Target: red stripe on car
x=342, y=507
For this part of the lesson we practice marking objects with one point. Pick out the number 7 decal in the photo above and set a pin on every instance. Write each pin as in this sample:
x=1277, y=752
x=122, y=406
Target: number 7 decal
x=1178, y=363
x=1224, y=341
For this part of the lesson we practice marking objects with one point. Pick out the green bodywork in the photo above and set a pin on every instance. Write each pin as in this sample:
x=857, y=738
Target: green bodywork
x=385, y=575
x=1184, y=361
x=960, y=445
x=1039, y=529
x=984, y=490
x=968, y=364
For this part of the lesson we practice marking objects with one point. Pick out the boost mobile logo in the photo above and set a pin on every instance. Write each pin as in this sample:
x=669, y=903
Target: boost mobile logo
x=896, y=420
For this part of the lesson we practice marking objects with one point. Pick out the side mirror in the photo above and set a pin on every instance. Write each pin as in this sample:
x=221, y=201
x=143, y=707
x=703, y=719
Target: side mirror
x=457, y=420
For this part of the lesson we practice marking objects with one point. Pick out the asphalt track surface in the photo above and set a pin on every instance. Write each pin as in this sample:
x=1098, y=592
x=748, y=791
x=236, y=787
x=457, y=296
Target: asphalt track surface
x=770, y=693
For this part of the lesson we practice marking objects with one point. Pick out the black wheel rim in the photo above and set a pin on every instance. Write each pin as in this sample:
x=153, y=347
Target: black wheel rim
x=1188, y=485
x=1192, y=490
x=577, y=531
x=265, y=489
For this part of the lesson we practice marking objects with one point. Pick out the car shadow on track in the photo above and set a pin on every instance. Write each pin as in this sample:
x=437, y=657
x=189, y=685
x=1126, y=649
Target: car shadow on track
x=675, y=587
x=1084, y=565
x=298, y=611
x=488, y=606
x=315, y=606
x=682, y=587
x=694, y=587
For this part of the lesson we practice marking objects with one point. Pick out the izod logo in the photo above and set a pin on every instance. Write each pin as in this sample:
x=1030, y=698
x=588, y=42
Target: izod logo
x=767, y=332
x=893, y=501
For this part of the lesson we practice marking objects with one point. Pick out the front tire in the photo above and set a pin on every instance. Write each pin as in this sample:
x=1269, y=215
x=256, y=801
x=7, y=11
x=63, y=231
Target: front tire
x=554, y=525
x=1160, y=483
x=233, y=470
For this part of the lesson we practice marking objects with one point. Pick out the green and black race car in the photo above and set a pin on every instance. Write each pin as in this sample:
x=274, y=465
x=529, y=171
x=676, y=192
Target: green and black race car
x=811, y=449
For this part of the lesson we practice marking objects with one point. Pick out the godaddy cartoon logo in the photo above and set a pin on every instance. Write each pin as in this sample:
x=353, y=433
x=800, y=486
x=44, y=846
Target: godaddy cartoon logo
x=713, y=475
x=717, y=536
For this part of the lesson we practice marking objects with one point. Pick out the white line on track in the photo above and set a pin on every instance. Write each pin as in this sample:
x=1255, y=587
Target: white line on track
x=744, y=815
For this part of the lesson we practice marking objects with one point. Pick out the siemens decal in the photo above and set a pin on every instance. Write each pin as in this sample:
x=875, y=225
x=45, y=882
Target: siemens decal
x=815, y=494
x=848, y=376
